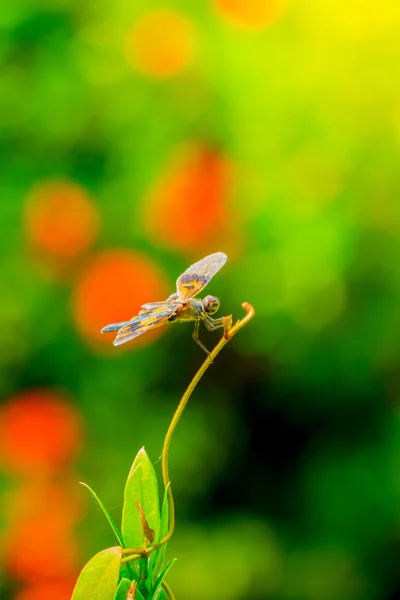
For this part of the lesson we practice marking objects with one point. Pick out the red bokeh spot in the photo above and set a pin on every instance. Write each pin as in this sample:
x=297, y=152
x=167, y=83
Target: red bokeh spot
x=57, y=589
x=33, y=497
x=112, y=288
x=189, y=205
x=41, y=547
x=161, y=43
x=252, y=14
x=61, y=219
x=39, y=432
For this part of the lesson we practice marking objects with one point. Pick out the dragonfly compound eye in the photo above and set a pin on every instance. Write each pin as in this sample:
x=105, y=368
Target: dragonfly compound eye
x=211, y=304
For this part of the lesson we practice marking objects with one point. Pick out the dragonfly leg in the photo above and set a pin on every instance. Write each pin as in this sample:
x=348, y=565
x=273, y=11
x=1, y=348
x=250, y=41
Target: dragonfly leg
x=212, y=324
x=195, y=336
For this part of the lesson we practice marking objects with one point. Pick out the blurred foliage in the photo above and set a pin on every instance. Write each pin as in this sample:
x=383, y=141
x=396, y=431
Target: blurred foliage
x=136, y=138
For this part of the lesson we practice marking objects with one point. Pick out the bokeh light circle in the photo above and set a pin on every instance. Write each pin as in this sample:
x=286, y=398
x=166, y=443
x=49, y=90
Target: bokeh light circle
x=112, y=288
x=251, y=14
x=189, y=204
x=41, y=546
x=61, y=219
x=56, y=589
x=33, y=495
x=40, y=431
x=161, y=43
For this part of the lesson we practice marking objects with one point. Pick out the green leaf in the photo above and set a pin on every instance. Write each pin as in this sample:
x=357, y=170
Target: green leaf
x=161, y=595
x=98, y=579
x=156, y=559
x=141, y=486
x=160, y=578
x=125, y=572
x=130, y=567
x=139, y=596
x=122, y=590
x=106, y=513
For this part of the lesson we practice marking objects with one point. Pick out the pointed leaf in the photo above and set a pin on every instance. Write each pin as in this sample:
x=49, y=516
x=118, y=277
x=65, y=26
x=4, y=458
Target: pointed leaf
x=106, y=513
x=130, y=567
x=157, y=586
x=141, y=486
x=139, y=596
x=156, y=559
x=99, y=577
x=161, y=595
x=122, y=590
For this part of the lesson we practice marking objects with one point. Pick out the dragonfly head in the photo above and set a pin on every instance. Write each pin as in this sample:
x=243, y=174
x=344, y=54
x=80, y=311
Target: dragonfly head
x=211, y=304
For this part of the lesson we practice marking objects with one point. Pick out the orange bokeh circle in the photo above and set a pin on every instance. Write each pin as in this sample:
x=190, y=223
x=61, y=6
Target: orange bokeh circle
x=32, y=497
x=41, y=547
x=61, y=219
x=112, y=288
x=251, y=14
x=189, y=205
x=40, y=431
x=56, y=589
x=161, y=43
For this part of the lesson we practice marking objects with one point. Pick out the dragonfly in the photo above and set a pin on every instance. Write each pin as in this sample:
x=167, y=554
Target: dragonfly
x=180, y=306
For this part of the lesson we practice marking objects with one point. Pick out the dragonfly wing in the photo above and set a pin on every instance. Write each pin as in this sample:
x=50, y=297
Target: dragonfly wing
x=196, y=277
x=153, y=305
x=145, y=321
x=114, y=326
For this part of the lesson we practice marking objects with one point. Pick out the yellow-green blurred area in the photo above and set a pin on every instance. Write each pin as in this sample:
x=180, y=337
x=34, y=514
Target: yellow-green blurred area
x=137, y=138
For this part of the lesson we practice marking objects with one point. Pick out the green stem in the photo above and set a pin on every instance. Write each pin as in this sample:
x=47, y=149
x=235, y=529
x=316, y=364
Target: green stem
x=130, y=557
x=168, y=591
x=229, y=332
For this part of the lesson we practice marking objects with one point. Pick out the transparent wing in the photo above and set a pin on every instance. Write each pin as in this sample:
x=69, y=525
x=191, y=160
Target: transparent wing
x=153, y=306
x=196, y=277
x=147, y=319
x=114, y=326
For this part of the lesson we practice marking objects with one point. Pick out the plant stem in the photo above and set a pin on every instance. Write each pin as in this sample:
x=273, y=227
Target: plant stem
x=130, y=557
x=168, y=591
x=228, y=335
x=229, y=332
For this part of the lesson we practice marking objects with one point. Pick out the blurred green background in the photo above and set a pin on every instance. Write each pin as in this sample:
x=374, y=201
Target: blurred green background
x=136, y=138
